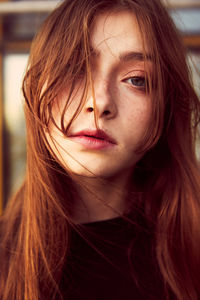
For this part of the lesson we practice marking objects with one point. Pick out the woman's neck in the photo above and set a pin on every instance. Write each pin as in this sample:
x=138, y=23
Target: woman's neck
x=100, y=199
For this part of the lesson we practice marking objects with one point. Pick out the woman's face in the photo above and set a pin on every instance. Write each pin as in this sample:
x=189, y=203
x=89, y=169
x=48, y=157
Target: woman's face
x=123, y=107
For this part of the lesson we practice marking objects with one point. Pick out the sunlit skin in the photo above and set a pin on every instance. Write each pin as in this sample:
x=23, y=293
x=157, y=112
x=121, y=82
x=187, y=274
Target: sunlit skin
x=123, y=106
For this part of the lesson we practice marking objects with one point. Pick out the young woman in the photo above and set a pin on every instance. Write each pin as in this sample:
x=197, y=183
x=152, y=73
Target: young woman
x=110, y=207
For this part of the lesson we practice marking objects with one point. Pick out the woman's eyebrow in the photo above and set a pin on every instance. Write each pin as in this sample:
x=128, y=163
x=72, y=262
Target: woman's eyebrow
x=132, y=55
x=126, y=56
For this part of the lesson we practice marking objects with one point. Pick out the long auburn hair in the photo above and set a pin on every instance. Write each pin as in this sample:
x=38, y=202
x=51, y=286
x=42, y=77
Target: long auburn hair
x=35, y=226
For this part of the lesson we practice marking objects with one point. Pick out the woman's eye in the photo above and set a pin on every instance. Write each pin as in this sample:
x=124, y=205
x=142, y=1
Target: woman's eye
x=137, y=81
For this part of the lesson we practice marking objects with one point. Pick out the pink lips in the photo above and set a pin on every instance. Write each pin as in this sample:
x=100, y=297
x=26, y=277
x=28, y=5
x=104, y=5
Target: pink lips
x=93, y=139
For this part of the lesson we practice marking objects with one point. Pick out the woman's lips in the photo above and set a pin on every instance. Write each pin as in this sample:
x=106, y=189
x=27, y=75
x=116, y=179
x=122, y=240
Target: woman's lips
x=93, y=139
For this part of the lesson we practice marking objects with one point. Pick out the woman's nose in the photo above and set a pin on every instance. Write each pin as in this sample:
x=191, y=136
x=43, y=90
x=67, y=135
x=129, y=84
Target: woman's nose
x=102, y=100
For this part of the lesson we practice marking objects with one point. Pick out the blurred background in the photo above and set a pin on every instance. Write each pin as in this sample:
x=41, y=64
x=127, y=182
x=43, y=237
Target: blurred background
x=19, y=21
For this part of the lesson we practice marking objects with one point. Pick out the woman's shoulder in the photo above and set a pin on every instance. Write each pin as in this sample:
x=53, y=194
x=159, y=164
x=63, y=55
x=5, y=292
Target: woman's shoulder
x=9, y=229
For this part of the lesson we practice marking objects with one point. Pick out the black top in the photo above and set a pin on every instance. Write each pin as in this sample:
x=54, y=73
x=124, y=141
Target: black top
x=113, y=260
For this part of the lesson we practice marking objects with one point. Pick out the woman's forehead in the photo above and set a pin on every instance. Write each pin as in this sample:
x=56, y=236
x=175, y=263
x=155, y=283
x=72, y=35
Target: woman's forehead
x=117, y=31
x=116, y=36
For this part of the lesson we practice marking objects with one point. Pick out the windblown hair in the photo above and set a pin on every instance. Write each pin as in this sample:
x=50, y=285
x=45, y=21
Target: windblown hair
x=36, y=224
